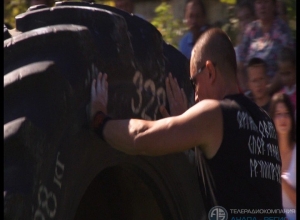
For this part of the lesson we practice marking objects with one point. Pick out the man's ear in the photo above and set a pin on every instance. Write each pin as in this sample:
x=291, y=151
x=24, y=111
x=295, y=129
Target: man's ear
x=211, y=71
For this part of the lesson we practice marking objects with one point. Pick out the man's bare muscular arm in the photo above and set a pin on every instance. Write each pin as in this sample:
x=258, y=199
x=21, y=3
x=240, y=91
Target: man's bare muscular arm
x=201, y=125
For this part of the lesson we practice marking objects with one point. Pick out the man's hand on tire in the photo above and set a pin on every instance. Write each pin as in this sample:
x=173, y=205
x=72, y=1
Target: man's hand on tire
x=99, y=94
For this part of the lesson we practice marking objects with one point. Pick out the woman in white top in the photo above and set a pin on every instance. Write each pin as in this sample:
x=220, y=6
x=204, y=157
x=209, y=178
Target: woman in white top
x=281, y=111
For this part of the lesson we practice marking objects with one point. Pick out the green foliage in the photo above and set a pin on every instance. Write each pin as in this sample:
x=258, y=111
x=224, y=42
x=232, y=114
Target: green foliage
x=232, y=2
x=231, y=30
x=13, y=8
x=291, y=10
x=170, y=28
x=231, y=26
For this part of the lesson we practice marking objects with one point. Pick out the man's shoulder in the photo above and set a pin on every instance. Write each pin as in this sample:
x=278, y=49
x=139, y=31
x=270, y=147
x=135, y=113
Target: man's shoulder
x=241, y=102
x=208, y=106
x=231, y=103
x=238, y=97
x=212, y=102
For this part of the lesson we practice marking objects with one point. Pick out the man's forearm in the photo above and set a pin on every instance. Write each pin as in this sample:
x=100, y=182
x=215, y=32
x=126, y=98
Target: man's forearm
x=121, y=134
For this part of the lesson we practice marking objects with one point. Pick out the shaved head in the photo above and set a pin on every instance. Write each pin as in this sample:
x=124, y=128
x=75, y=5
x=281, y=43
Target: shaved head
x=216, y=46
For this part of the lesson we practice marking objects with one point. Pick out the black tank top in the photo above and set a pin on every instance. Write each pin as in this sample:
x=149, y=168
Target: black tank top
x=246, y=170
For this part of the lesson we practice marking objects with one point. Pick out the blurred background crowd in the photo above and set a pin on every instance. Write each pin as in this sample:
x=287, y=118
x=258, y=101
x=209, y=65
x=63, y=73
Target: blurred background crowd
x=169, y=15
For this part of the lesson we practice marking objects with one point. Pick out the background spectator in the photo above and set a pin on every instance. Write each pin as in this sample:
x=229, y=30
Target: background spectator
x=281, y=111
x=263, y=38
x=257, y=82
x=127, y=5
x=245, y=14
x=195, y=18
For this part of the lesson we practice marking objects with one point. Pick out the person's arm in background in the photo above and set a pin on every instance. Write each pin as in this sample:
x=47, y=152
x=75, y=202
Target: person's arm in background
x=288, y=179
x=289, y=190
x=183, y=46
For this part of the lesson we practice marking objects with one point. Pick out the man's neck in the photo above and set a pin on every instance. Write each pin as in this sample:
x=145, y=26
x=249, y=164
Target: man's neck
x=229, y=90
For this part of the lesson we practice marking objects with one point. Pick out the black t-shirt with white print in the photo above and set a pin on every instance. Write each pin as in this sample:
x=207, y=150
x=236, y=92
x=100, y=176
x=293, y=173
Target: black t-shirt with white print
x=246, y=170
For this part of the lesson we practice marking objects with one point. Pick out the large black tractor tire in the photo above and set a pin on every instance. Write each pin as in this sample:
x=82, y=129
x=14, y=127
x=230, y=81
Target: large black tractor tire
x=55, y=167
x=118, y=34
x=70, y=173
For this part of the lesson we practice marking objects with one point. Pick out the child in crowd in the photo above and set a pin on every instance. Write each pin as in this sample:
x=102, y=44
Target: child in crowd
x=281, y=111
x=257, y=81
